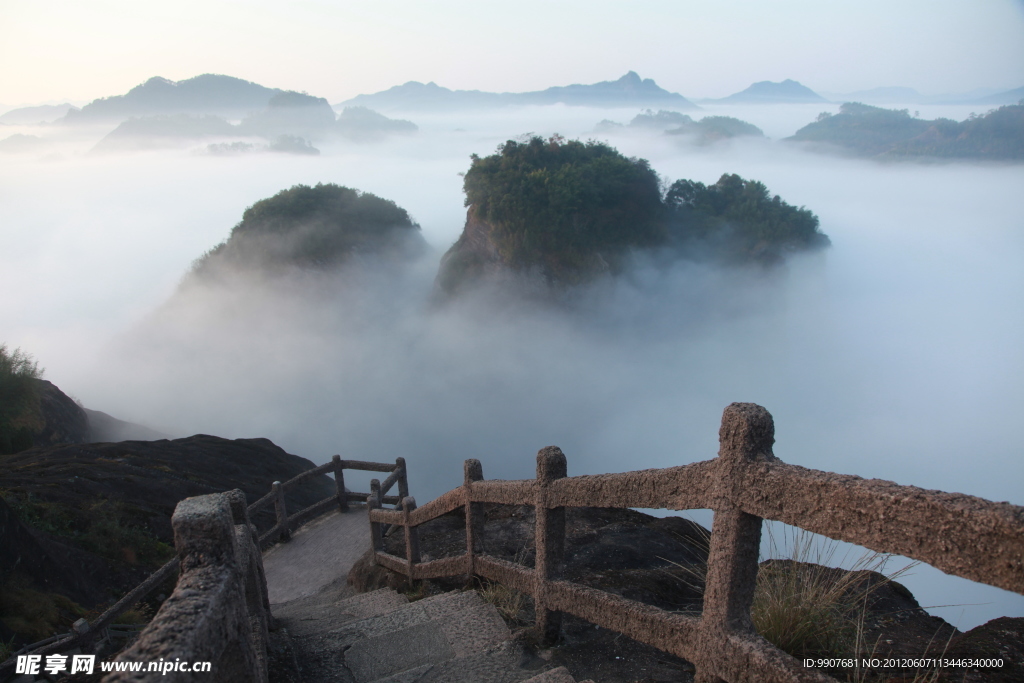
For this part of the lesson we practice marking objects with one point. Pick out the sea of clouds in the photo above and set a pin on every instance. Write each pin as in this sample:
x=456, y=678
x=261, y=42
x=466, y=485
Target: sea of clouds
x=896, y=354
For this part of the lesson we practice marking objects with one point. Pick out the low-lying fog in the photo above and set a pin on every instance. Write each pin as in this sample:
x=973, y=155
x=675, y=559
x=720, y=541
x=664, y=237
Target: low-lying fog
x=898, y=354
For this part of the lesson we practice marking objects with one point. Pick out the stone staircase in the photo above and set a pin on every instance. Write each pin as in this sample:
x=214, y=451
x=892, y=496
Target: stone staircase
x=381, y=637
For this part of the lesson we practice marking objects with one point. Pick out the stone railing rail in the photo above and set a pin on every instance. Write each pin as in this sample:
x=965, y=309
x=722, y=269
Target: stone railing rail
x=286, y=523
x=959, y=534
x=83, y=633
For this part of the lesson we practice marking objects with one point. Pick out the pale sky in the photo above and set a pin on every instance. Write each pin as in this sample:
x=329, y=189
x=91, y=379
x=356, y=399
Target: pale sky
x=53, y=50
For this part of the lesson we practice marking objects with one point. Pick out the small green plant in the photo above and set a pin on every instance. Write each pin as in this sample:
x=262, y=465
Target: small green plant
x=417, y=591
x=6, y=649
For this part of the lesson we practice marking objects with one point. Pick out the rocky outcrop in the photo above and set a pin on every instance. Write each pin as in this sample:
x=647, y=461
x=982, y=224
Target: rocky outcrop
x=565, y=213
x=312, y=228
x=93, y=520
x=103, y=427
x=59, y=419
x=53, y=418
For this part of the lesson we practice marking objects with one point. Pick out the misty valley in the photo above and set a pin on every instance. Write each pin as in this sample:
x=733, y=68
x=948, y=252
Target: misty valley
x=443, y=274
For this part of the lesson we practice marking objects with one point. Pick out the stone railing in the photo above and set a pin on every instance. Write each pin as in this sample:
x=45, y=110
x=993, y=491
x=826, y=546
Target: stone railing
x=959, y=534
x=219, y=611
x=83, y=634
x=286, y=523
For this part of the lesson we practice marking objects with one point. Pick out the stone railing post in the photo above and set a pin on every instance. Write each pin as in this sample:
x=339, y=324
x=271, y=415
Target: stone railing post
x=373, y=503
x=403, y=479
x=746, y=437
x=472, y=471
x=412, y=534
x=284, y=533
x=550, y=541
x=339, y=483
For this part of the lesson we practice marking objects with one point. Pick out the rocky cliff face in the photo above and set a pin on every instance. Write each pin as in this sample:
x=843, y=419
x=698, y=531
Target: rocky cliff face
x=472, y=257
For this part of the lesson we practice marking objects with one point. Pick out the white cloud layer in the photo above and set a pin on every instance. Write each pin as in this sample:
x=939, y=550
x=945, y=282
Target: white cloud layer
x=898, y=354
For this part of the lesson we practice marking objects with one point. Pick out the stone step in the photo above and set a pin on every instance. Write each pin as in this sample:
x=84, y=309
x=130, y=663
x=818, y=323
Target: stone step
x=426, y=633
x=330, y=610
x=455, y=637
x=559, y=675
x=380, y=637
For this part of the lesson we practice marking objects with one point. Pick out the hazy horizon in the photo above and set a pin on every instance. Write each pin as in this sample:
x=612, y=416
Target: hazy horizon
x=67, y=51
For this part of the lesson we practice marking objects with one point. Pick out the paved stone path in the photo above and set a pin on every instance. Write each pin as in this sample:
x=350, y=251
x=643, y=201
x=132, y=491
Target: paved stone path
x=333, y=636
x=318, y=554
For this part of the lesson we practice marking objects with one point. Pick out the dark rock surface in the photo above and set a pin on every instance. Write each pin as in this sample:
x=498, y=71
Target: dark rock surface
x=88, y=522
x=1001, y=638
x=150, y=477
x=60, y=419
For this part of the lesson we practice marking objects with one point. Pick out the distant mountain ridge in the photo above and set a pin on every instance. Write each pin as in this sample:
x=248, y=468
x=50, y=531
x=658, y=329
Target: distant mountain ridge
x=863, y=130
x=44, y=113
x=205, y=94
x=1008, y=97
x=767, y=92
x=905, y=95
x=629, y=90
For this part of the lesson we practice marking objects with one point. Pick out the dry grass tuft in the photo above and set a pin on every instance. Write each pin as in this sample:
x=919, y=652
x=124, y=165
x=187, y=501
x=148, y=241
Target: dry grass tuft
x=509, y=603
x=802, y=604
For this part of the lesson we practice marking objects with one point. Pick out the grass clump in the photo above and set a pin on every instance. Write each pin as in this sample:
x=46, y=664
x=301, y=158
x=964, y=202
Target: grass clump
x=802, y=605
x=803, y=609
x=510, y=603
x=810, y=609
x=34, y=614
